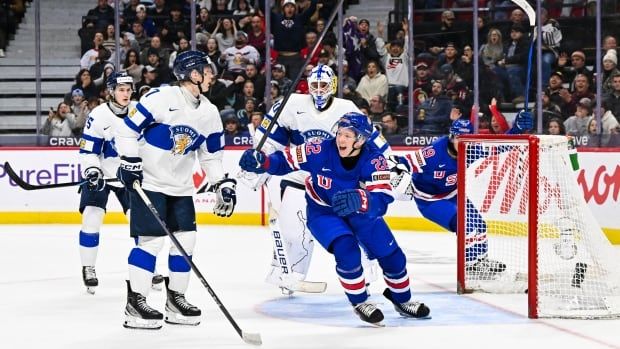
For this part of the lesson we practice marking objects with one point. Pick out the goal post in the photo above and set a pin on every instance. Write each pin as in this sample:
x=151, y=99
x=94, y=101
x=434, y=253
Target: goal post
x=519, y=204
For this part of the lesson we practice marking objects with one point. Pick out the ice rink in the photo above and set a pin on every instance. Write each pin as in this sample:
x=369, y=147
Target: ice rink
x=44, y=304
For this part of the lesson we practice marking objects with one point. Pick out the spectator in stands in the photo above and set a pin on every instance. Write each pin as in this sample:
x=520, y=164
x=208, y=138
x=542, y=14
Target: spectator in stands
x=225, y=33
x=492, y=51
x=288, y=32
x=59, y=122
x=498, y=123
x=555, y=126
x=100, y=81
x=302, y=85
x=241, y=9
x=183, y=45
x=609, y=123
x=155, y=44
x=109, y=39
x=79, y=108
x=346, y=78
x=149, y=78
x=244, y=114
x=577, y=66
x=577, y=125
x=454, y=86
x=90, y=57
x=102, y=15
x=550, y=109
x=252, y=74
x=233, y=135
x=319, y=26
x=174, y=28
x=128, y=43
x=147, y=22
x=160, y=13
x=609, y=43
x=445, y=33
x=129, y=12
x=555, y=90
x=390, y=129
x=377, y=108
x=327, y=57
x=84, y=82
x=214, y=53
x=132, y=65
x=422, y=82
x=613, y=97
x=97, y=69
x=582, y=90
x=512, y=66
x=483, y=27
x=278, y=74
x=551, y=40
x=205, y=23
x=433, y=114
x=163, y=73
x=359, y=44
x=246, y=92
x=236, y=58
x=450, y=56
x=395, y=64
x=139, y=35
x=311, y=40
x=256, y=35
x=373, y=83
x=610, y=70
x=220, y=8
x=255, y=119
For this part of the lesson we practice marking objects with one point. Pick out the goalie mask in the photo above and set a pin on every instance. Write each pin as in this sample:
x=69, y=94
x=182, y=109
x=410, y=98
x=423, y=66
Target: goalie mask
x=322, y=85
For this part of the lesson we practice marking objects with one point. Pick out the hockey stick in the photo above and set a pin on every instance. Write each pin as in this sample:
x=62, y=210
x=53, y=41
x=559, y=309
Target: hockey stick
x=27, y=186
x=272, y=124
x=250, y=338
x=531, y=15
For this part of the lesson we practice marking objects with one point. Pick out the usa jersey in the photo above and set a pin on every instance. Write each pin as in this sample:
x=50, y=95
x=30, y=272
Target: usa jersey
x=327, y=175
x=172, y=135
x=97, y=146
x=301, y=122
x=433, y=171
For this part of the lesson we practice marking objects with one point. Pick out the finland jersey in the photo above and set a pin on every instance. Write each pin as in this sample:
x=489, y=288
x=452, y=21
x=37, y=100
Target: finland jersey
x=434, y=171
x=328, y=176
x=172, y=134
x=301, y=122
x=97, y=146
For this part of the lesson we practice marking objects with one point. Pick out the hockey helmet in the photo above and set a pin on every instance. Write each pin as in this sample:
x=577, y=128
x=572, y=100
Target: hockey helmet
x=358, y=123
x=461, y=127
x=118, y=78
x=322, y=84
x=188, y=61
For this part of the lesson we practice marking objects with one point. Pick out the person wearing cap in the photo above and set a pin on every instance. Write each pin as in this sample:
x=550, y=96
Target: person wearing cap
x=577, y=125
x=235, y=58
x=149, y=78
x=147, y=22
x=174, y=27
x=422, y=79
x=360, y=45
x=155, y=45
x=610, y=69
x=278, y=74
x=573, y=65
x=512, y=67
x=288, y=30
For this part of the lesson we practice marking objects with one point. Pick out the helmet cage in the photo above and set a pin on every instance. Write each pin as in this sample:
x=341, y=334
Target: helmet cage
x=322, y=85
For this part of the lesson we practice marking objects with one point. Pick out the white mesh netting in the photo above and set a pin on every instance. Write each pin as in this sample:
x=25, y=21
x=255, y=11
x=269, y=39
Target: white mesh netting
x=578, y=269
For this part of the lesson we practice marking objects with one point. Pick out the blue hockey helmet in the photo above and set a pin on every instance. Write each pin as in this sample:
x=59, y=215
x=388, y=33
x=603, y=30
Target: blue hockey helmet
x=118, y=78
x=358, y=122
x=461, y=127
x=188, y=61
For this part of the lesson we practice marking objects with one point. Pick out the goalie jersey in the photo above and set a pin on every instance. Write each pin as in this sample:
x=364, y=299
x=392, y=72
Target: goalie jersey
x=320, y=158
x=97, y=146
x=301, y=122
x=172, y=134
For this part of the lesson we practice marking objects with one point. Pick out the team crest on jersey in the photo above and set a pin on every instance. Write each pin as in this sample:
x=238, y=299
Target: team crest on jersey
x=314, y=135
x=132, y=112
x=183, y=137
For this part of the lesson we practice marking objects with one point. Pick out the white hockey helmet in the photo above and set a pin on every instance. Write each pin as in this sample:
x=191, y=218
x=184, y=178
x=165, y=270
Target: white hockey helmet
x=322, y=85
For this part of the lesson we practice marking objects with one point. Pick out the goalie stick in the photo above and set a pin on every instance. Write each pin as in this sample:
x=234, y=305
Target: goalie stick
x=531, y=15
x=250, y=338
x=27, y=186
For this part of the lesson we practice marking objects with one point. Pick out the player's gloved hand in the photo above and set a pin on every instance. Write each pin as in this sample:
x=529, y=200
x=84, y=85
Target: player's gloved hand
x=346, y=202
x=524, y=121
x=398, y=164
x=253, y=180
x=129, y=171
x=94, y=178
x=254, y=161
x=225, y=197
x=400, y=177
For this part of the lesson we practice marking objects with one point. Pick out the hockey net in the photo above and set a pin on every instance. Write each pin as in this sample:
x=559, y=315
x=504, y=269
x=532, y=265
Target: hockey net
x=537, y=223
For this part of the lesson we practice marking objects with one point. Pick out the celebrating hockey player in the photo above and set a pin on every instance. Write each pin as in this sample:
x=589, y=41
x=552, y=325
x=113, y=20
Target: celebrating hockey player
x=304, y=118
x=343, y=214
x=99, y=159
x=177, y=125
x=432, y=184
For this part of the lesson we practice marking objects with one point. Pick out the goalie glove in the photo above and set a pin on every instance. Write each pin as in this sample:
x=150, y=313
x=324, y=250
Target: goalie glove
x=225, y=197
x=400, y=178
x=524, y=121
x=94, y=178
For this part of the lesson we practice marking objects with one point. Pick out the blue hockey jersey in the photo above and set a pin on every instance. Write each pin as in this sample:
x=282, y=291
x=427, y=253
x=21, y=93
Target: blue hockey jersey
x=433, y=171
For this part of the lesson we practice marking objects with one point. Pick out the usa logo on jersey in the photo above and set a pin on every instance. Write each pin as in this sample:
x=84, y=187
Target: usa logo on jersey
x=183, y=137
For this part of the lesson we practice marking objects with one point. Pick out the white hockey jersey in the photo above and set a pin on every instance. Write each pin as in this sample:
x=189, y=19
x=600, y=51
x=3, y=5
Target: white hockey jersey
x=300, y=122
x=97, y=146
x=169, y=135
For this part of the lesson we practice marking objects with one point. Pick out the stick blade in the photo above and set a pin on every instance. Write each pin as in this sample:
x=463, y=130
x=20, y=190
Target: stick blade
x=251, y=338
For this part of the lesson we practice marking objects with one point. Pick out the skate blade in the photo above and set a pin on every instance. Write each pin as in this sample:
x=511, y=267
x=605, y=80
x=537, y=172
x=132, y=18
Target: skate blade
x=178, y=319
x=427, y=317
x=375, y=324
x=141, y=324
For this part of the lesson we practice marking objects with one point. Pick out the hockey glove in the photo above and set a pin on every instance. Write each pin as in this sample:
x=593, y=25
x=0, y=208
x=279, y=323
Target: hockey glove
x=254, y=161
x=225, y=197
x=94, y=178
x=349, y=201
x=400, y=178
x=524, y=121
x=129, y=171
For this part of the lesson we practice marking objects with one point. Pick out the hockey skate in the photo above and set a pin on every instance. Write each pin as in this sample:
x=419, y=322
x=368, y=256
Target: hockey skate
x=157, y=282
x=369, y=313
x=410, y=309
x=178, y=310
x=138, y=314
x=90, y=279
x=485, y=269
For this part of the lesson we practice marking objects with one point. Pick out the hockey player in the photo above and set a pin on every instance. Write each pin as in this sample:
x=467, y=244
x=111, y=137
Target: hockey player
x=343, y=213
x=303, y=119
x=177, y=125
x=99, y=159
x=433, y=187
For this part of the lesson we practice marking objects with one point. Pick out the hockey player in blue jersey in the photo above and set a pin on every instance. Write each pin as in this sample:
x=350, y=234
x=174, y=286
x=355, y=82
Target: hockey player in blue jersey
x=99, y=159
x=433, y=186
x=347, y=193
x=170, y=129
